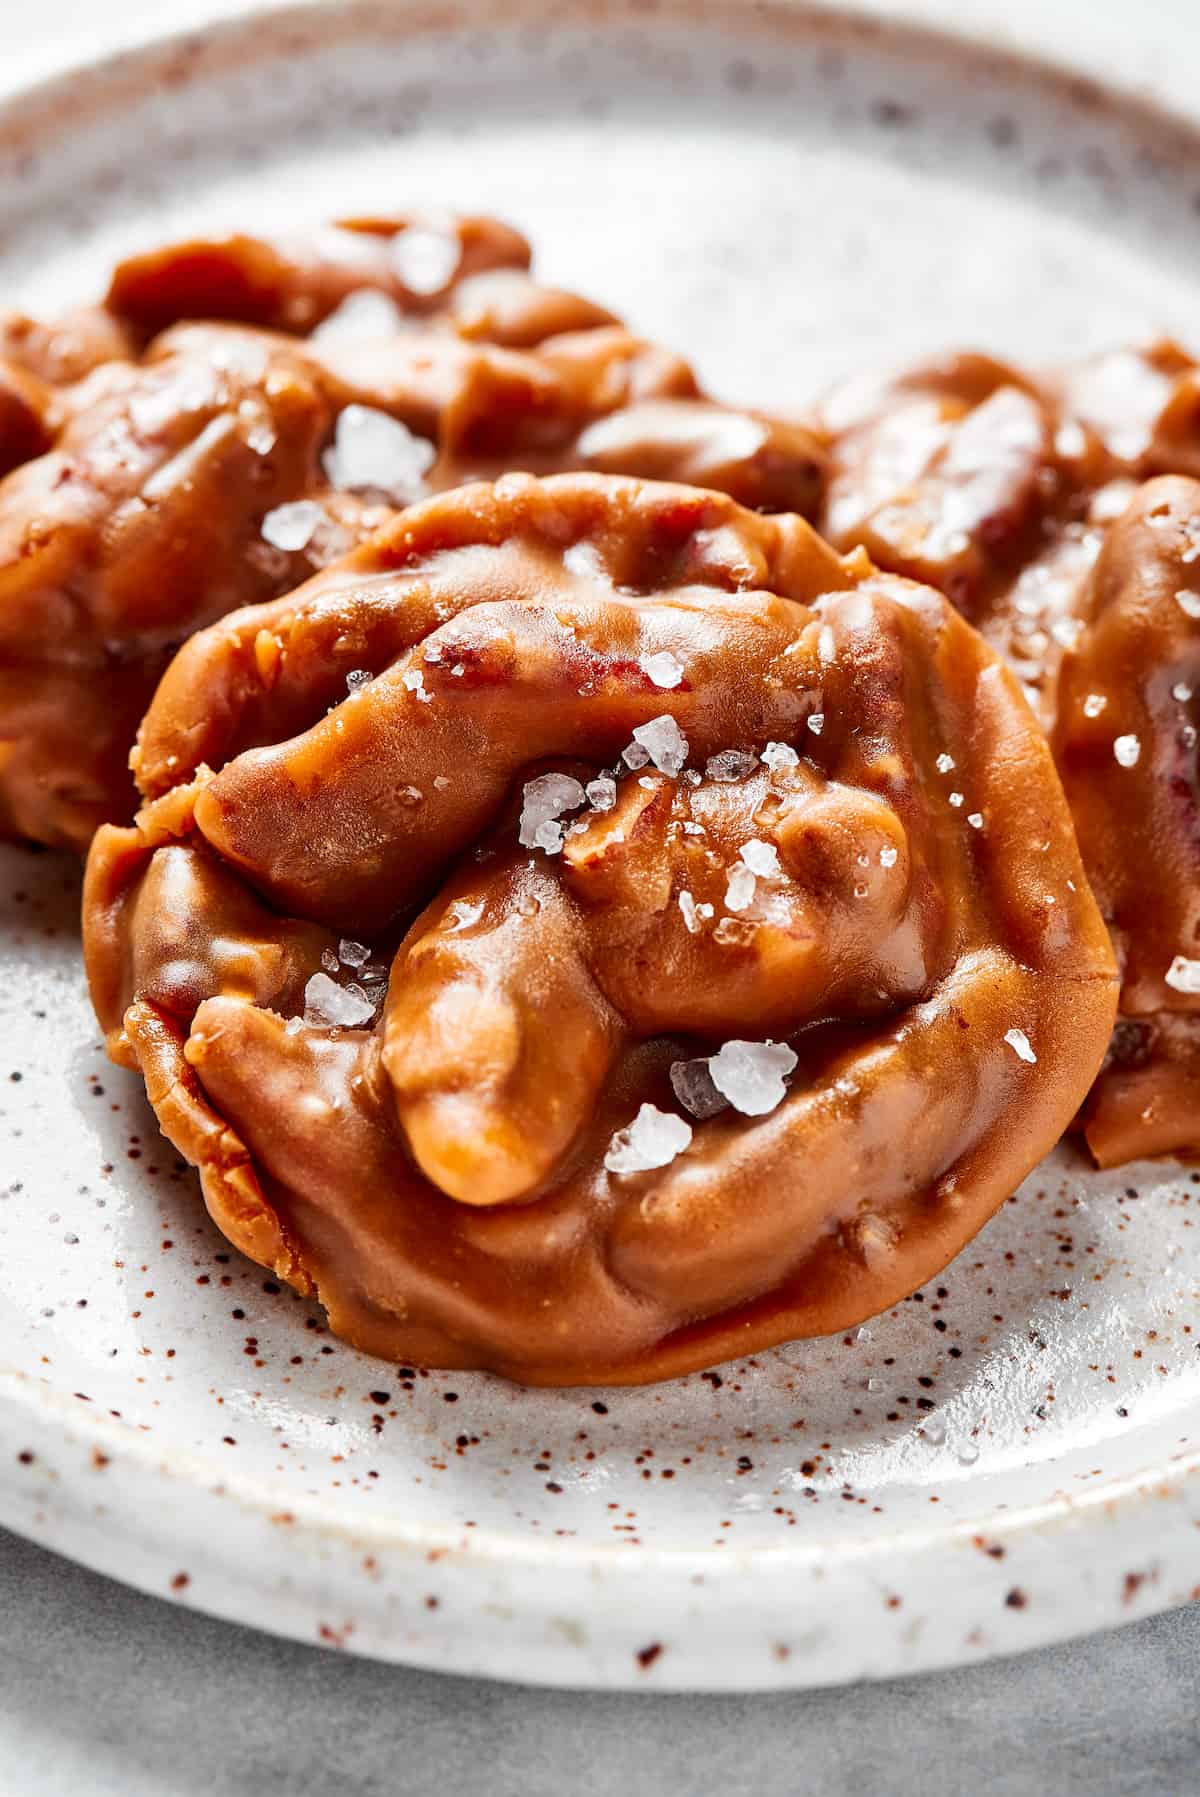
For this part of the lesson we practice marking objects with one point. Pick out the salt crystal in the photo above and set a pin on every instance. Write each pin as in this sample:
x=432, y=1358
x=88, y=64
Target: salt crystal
x=956, y=800
x=816, y=722
x=693, y=829
x=635, y=756
x=372, y=452
x=751, y=1075
x=762, y=858
x=410, y=795
x=687, y=905
x=1183, y=975
x=1181, y=692
x=327, y=1003
x=933, y=1428
x=863, y=1334
x=1019, y=1042
x=734, y=932
x=944, y=763
x=601, y=793
x=441, y=782
x=780, y=758
x=363, y=315
x=291, y=526
x=357, y=678
x=293, y=1026
x=353, y=954
x=693, y=1086
x=653, y=1139
x=458, y=670
x=730, y=764
x=664, y=742
x=825, y=643
x=1094, y=704
x=425, y=260
x=1066, y=631
x=1190, y=603
x=434, y=652
x=646, y=783
x=975, y=819
x=888, y=857
x=414, y=680
x=967, y=1453
x=1128, y=751
x=739, y=892
x=663, y=669
x=329, y=960
x=544, y=801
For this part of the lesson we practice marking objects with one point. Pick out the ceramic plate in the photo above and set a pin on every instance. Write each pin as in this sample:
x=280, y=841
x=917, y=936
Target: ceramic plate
x=1008, y=1457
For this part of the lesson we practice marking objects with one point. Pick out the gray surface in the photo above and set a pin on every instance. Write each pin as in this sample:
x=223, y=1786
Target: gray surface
x=105, y=1693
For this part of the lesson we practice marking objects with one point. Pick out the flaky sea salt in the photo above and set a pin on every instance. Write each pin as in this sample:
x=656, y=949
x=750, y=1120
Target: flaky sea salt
x=327, y=1003
x=1184, y=975
x=956, y=800
x=781, y=758
x=291, y=526
x=693, y=914
x=1181, y=692
x=663, y=669
x=601, y=792
x=751, y=1075
x=816, y=722
x=944, y=764
x=653, y=1139
x=357, y=678
x=1128, y=751
x=1189, y=602
x=739, y=890
x=1020, y=1044
x=544, y=802
x=353, y=954
x=1094, y=704
x=414, y=680
x=372, y=452
x=664, y=742
x=975, y=819
x=363, y=316
x=693, y=1087
x=426, y=260
x=730, y=764
x=762, y=858
x=635, y=756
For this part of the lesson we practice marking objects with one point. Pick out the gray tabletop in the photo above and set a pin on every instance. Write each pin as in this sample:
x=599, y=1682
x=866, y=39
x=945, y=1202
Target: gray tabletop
x=105, y=1693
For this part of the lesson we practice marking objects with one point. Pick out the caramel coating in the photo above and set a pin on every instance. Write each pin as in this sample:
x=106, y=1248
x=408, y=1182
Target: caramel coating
x=140, y=518
x=1125, y=741
x=1027, y=501
x=349, y=774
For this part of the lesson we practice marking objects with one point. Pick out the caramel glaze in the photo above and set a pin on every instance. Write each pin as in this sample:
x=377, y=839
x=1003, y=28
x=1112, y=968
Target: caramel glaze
x=140, y=517
x=1033, y=504
x=437, y=1177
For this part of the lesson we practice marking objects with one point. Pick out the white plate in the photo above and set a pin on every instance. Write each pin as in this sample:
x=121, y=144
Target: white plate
x=1009, y=1457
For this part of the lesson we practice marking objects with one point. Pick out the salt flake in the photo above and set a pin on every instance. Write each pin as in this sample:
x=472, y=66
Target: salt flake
x=363, y=315
x=664, y=742
x=1020, y=1044
x=1128, y=751
x=751, y=1075
x=663, y=669
x=739, y=891
x=544, y=802
x=781, y=758
x=653, y=1139
x=730, y=764
x=291, y=526
x=327, y=1003
x=762, y=858
x=1184, y=975
x=373, y=452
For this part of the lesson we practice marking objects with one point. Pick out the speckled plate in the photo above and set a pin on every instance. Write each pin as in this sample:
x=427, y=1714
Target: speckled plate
x=1010, y=1456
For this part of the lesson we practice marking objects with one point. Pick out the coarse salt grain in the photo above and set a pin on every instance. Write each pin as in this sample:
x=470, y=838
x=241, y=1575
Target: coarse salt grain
x=730, y=764
x=781, y=758
x=1020, y=1044
x=363, y=315
x=1190, y=602
x=291, y=526
x=762, y=858
x=975, y=819
x=739, y=890
x=353, y=954
x=653, y=1139
x=544, y=802
x=1184, y=975
x=425, y=260
x=944, y=764
x=601, y=793
x=888, y=857
x=357, y=678
x=373, y=452
x=1128, y=751
x=1094, y=704
x=816, y=722
x=663, y=669
x=693, y=1086
x=635, y=756
x=1181, y=692
x=751, y=1075
x=956, y=800
x=414, y=680
x=327, y=1003
x=664, y=742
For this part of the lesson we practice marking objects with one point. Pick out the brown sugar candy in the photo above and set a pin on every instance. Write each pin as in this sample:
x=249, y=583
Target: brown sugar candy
x=593, y=931
x=141, y=516
x=1031, y=504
